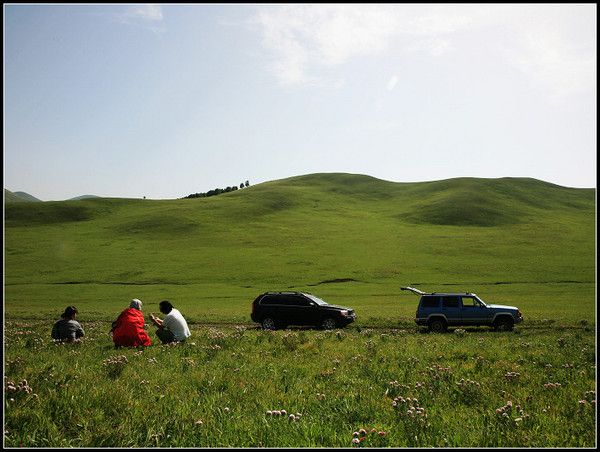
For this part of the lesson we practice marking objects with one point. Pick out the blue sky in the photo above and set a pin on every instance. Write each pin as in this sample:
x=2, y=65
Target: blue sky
x=166, y=100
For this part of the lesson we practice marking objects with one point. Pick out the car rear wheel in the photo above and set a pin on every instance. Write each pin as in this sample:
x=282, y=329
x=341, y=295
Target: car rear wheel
x=328, y=324
x=268, y=324
x=504, y=324
x=437, y=326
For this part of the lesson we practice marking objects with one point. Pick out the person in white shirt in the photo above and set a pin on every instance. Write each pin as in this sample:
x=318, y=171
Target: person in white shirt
x=173, y=328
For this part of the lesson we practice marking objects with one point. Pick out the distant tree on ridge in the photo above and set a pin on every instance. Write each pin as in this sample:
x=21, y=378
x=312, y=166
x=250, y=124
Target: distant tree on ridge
x=214, y=192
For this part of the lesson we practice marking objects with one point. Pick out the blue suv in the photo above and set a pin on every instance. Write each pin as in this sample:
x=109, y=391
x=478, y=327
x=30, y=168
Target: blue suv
x=438, y=311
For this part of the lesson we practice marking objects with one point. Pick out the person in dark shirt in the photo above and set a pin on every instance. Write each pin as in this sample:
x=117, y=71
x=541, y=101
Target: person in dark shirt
x=67, y=329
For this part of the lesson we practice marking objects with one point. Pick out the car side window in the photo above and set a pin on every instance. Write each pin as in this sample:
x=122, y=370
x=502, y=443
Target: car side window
x=304, y=302
x=293, y=300
x=430, y=302
x=469, y=302
x=269, y=300
x=450, y=302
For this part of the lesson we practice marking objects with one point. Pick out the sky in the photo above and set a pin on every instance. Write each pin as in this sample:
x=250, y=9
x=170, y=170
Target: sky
x=161, y=101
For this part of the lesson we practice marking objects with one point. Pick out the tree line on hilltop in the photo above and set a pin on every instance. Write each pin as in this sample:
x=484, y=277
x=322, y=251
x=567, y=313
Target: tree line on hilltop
x=217, y=191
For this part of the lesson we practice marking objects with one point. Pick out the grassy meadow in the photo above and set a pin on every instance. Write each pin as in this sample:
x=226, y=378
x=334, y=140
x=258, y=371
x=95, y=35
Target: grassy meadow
x=349, y=239
x=216, y=390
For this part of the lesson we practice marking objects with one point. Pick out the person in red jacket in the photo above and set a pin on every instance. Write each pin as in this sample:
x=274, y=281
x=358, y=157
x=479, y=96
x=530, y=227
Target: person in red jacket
x=128, y=329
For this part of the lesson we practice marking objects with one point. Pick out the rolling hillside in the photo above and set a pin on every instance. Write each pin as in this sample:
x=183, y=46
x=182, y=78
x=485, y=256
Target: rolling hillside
x=76, y=198
x=338, y=234
x=18, y=196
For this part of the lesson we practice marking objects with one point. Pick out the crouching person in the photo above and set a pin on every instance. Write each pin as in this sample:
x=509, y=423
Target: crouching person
x=173, y=328
x=67, y=329
x=128, y=329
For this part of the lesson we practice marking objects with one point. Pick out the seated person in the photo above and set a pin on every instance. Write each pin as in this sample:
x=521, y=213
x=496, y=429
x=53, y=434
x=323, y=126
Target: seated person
x=67, y=329
x=173, y=328
x=128, y=329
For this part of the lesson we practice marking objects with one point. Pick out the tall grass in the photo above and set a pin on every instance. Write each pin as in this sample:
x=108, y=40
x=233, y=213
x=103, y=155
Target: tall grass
x=217, y=389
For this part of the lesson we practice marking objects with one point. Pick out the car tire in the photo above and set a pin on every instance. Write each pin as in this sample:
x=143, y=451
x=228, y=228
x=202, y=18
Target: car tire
x=268, y=323
x=504, y=324
x=437, y=326
x=328, y=324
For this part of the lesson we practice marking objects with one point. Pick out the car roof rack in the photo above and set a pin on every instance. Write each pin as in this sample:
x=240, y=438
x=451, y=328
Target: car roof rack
x=413, y=290
x=420, y=292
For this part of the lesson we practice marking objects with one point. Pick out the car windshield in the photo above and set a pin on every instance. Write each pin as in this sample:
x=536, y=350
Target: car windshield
x=316, y=300
x=479, y=299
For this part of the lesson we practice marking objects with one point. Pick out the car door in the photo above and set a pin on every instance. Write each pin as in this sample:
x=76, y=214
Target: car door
x=472, y=311
x=270, y=306
x=429, y=304
x=299, y=310
x=451, y=308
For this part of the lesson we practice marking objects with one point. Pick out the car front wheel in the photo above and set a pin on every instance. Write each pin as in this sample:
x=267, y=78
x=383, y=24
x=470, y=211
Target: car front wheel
x=268, y=324
x=504, y=325
x=328, y=324
x=437, y=326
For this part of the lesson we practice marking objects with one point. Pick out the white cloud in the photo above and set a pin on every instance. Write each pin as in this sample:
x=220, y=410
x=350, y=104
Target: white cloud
x=544, y=42
x=392, y=83
x=557, y=54
x=147, y=12
x=148, y=16
x=302, y=38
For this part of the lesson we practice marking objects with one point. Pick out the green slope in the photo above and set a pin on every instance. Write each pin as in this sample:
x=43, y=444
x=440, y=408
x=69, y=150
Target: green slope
x=9, y=196
x=305, y=233
x=76, y=198
x=18, y=196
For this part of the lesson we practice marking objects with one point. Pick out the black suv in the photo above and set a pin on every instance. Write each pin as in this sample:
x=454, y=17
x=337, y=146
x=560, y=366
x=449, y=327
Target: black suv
x=279, y=309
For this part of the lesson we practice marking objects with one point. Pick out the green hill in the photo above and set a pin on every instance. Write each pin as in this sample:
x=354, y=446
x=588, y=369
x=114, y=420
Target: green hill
x=355, y=237
x=9, y=196
x=76, y=198
x=18, y=196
